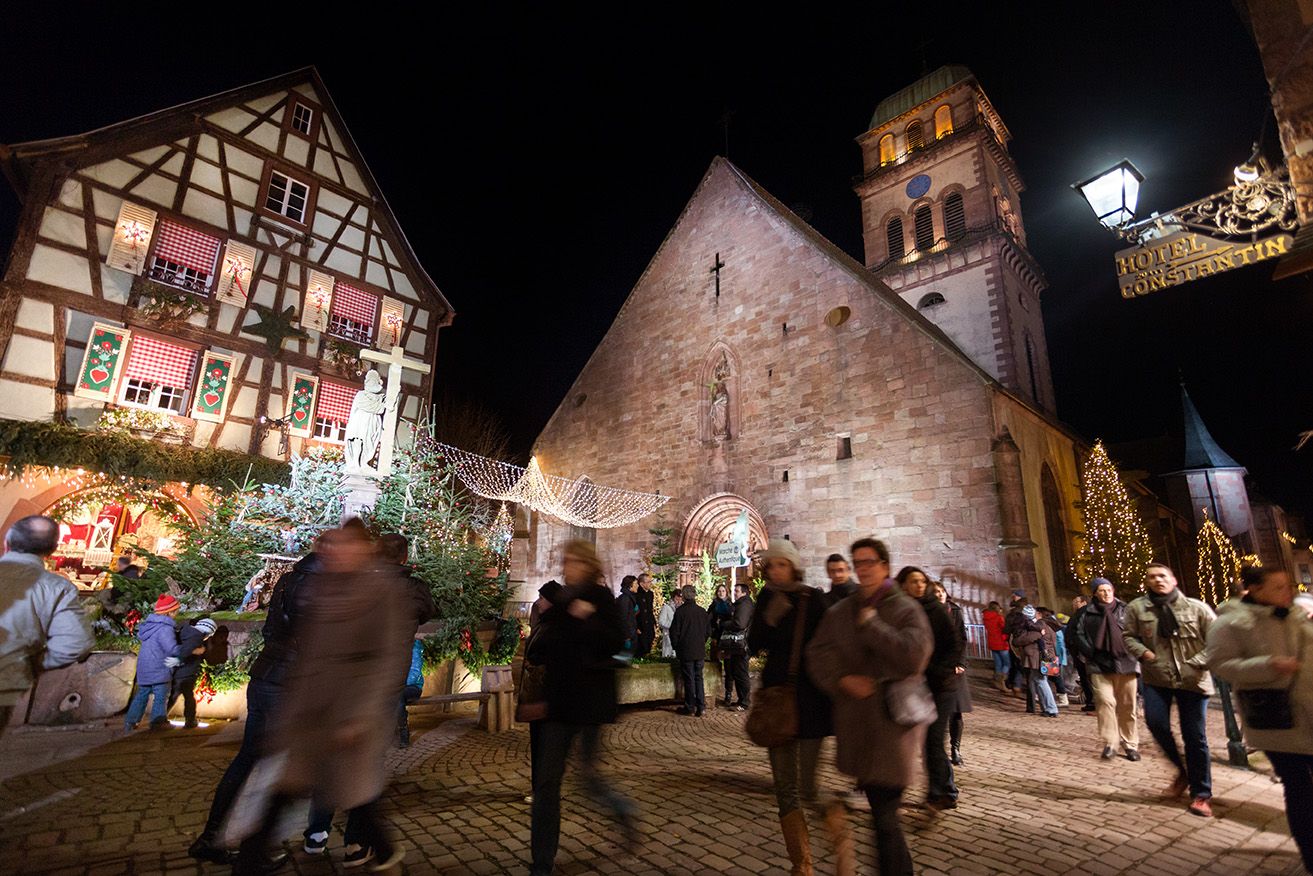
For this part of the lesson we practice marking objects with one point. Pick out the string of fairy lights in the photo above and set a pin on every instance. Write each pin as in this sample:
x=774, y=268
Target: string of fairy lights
x=575, y=502
x=1219, y=564
x=85, y=488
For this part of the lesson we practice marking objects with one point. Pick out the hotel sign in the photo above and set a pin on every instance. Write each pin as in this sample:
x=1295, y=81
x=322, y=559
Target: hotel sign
x=1187, y=256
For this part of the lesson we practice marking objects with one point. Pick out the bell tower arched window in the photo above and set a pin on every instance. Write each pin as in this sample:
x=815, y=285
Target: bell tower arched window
x=943, y=121
x=915, y=137
x=894, y=233
x=955, y=220
x=925, y=228
x=887, y=155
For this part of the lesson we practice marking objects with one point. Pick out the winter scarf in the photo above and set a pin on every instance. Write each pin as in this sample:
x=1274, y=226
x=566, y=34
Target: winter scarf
x=1279, y=612
x=1109, y=635
x=1162, y=607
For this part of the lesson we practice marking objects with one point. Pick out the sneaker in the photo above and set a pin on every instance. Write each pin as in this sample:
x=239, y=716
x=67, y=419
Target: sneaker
x=1201, y=807
x=1132, y=754
x=1063, y=701
x=698, y=713
x=357, y=856
x=316, y=843
x=741, y=707
x=206, y=848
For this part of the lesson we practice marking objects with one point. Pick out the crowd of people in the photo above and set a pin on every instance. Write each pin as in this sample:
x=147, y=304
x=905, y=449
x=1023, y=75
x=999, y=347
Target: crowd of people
x=877, y=662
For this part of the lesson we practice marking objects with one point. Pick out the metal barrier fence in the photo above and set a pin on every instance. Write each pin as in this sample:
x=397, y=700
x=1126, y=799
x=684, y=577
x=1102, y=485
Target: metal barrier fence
x=976, y=646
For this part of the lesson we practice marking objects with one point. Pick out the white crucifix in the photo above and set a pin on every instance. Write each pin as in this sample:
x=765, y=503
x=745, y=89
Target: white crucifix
x=395, y=360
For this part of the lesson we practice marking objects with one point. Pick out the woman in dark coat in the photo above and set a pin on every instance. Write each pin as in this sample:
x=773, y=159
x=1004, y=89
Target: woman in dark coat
x=721, y=611
x=575, y=642
x=964, y=687
x=942, y=678
x=1033, y=641
x=792, y=765
x=1111, y=669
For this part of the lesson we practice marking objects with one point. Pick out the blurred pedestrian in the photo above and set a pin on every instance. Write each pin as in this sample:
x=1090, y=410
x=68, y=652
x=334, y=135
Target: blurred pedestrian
x=191, y=648
x=339, y=718
x=688, y=633
x=841, y=577
x=718, y=615
x=942, y=677
x=264, y=694
x=865, y=651
x=1260, y=646
x=42, y=624
x=963, y=703
x=646, y=616
x=1167, y=632
x=997, y=642
x=156, y=660
x=1100, y=636
x=1012, y=621
x=787, y=615
x=575, y=643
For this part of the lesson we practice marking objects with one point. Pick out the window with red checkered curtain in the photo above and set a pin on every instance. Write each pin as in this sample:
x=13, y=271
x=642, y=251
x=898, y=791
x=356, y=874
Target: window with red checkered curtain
x=157, y=374
x=352, y=313
x=184, y=257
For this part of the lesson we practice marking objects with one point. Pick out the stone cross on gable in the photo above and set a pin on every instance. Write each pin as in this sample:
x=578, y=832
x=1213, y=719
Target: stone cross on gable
x=395, y=360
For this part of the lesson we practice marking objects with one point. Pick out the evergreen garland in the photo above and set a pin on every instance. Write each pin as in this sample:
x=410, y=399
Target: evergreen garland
x=27, y=444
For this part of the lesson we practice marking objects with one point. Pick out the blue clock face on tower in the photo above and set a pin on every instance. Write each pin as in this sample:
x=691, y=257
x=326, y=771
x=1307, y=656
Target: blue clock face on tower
x=918, y=185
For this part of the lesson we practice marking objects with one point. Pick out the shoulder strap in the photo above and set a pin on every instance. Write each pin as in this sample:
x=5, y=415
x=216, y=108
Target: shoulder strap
x=795, y=655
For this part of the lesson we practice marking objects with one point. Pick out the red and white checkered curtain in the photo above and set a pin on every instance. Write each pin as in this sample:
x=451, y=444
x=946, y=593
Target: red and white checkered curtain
x=354, y=303
x=187, y=247
x=159, y=362
x=335, y=401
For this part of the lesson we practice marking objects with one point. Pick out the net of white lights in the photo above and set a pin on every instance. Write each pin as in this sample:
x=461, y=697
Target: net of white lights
x=576, y=502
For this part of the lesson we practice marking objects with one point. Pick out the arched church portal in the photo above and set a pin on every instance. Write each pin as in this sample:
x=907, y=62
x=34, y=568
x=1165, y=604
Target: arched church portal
x=709, y=524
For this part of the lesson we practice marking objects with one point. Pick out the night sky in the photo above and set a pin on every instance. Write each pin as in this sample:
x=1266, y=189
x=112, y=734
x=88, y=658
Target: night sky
x=537, y=158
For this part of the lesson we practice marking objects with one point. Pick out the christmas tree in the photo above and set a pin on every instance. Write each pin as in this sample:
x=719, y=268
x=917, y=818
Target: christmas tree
x=1115, y=544
x=1219, y=563
x=661, y=560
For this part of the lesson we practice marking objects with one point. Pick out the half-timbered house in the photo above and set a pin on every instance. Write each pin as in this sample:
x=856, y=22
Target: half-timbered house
x=219, y=264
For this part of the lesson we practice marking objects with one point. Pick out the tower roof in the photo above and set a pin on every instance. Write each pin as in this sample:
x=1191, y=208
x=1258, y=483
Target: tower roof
x=1201, y=451
x=919, y=92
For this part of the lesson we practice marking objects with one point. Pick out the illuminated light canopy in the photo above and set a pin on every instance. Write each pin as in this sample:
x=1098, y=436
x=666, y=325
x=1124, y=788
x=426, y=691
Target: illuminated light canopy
x=575, y=502
x=1113, y=194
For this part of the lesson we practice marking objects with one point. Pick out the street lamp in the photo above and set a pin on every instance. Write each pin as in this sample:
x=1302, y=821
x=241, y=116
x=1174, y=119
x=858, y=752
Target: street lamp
x=1112, y=194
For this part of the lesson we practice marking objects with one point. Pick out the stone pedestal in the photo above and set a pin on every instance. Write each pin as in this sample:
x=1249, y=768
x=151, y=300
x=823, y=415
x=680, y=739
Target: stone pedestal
x=361, y=493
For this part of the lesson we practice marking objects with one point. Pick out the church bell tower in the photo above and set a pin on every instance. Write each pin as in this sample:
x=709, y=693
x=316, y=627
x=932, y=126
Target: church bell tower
x=941, y=220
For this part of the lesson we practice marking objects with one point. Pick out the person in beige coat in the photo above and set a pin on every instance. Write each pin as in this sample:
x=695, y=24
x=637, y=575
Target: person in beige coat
x=1261, y=643
x=867, y=641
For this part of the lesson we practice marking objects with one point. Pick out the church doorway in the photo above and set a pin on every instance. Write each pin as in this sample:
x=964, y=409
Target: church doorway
x=709, y=525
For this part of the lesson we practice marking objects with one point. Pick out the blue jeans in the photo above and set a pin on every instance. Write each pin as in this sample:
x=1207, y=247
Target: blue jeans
x=1193, y=708
x=1002, y=661
x=1041, y=692
x=159, y=708
x=261, y=699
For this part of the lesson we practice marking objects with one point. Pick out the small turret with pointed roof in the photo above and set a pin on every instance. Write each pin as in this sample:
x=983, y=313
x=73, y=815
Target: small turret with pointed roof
x=1201, y=450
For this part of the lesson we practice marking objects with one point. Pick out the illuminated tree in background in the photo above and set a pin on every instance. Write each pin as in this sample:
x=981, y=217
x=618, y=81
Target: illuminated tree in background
x=1219, y=563
x=1115, y=544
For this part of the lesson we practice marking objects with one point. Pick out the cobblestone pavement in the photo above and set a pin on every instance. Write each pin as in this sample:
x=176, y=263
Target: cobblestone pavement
x=1036, y=799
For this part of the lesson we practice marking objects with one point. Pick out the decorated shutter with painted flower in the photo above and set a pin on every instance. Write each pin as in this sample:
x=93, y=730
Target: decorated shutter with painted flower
x=102, y=361
x=393, y=323
x=131, y=240
x=236, y=268
x=301, y=404
x=212, y=386
x=318, y=303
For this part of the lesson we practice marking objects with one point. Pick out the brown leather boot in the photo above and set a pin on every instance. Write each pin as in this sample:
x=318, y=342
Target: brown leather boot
x=794, y=828
x=999, y=682
x=845, y=853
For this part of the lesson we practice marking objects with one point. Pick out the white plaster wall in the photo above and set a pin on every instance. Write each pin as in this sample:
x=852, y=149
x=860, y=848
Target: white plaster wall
x=30, y=357
x=23, y=401
x=36, y=315
x=63, y=227
x=59, y=268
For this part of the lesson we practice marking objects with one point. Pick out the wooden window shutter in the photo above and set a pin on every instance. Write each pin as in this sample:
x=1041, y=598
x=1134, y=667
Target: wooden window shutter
x=301, y=404
x=393, y=324
x=236, y=270
x=102, y=361
x=318, y=301
x=210, y=400
x=131, y=240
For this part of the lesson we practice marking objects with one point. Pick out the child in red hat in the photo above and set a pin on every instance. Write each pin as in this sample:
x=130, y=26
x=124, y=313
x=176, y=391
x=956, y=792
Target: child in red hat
x=155, y=664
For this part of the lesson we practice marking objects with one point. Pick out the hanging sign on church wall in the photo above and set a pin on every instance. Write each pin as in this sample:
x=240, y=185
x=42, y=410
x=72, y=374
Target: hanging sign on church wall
x=1187, y=256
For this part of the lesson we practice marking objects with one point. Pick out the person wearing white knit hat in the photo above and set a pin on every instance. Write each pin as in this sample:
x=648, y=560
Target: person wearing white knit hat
x=190, y=652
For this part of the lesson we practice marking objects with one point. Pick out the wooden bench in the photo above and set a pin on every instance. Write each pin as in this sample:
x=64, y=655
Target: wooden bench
x=496, y=698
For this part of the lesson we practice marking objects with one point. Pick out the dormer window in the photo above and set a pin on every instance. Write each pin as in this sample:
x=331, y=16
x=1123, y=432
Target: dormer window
x=287, y=197
x=302, y=118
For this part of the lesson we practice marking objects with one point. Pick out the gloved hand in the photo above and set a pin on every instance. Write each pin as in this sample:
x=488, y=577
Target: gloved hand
x=172, y=662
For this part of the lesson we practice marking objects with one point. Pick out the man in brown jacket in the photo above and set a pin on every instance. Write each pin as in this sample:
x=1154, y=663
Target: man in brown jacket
x=864, y=645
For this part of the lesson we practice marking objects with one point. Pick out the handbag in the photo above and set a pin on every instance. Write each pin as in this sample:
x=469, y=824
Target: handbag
x=910, y=701
x=773, y=717
x=531, y=692
x=1050, y=668
x=1269, y=708
x=734, y=642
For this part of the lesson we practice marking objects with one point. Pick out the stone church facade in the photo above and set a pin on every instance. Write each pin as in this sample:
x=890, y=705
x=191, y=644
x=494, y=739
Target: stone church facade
x=810, y=389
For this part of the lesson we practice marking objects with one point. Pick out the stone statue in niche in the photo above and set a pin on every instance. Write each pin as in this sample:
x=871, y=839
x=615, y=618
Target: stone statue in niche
x=720, y=400
x=365, y=427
